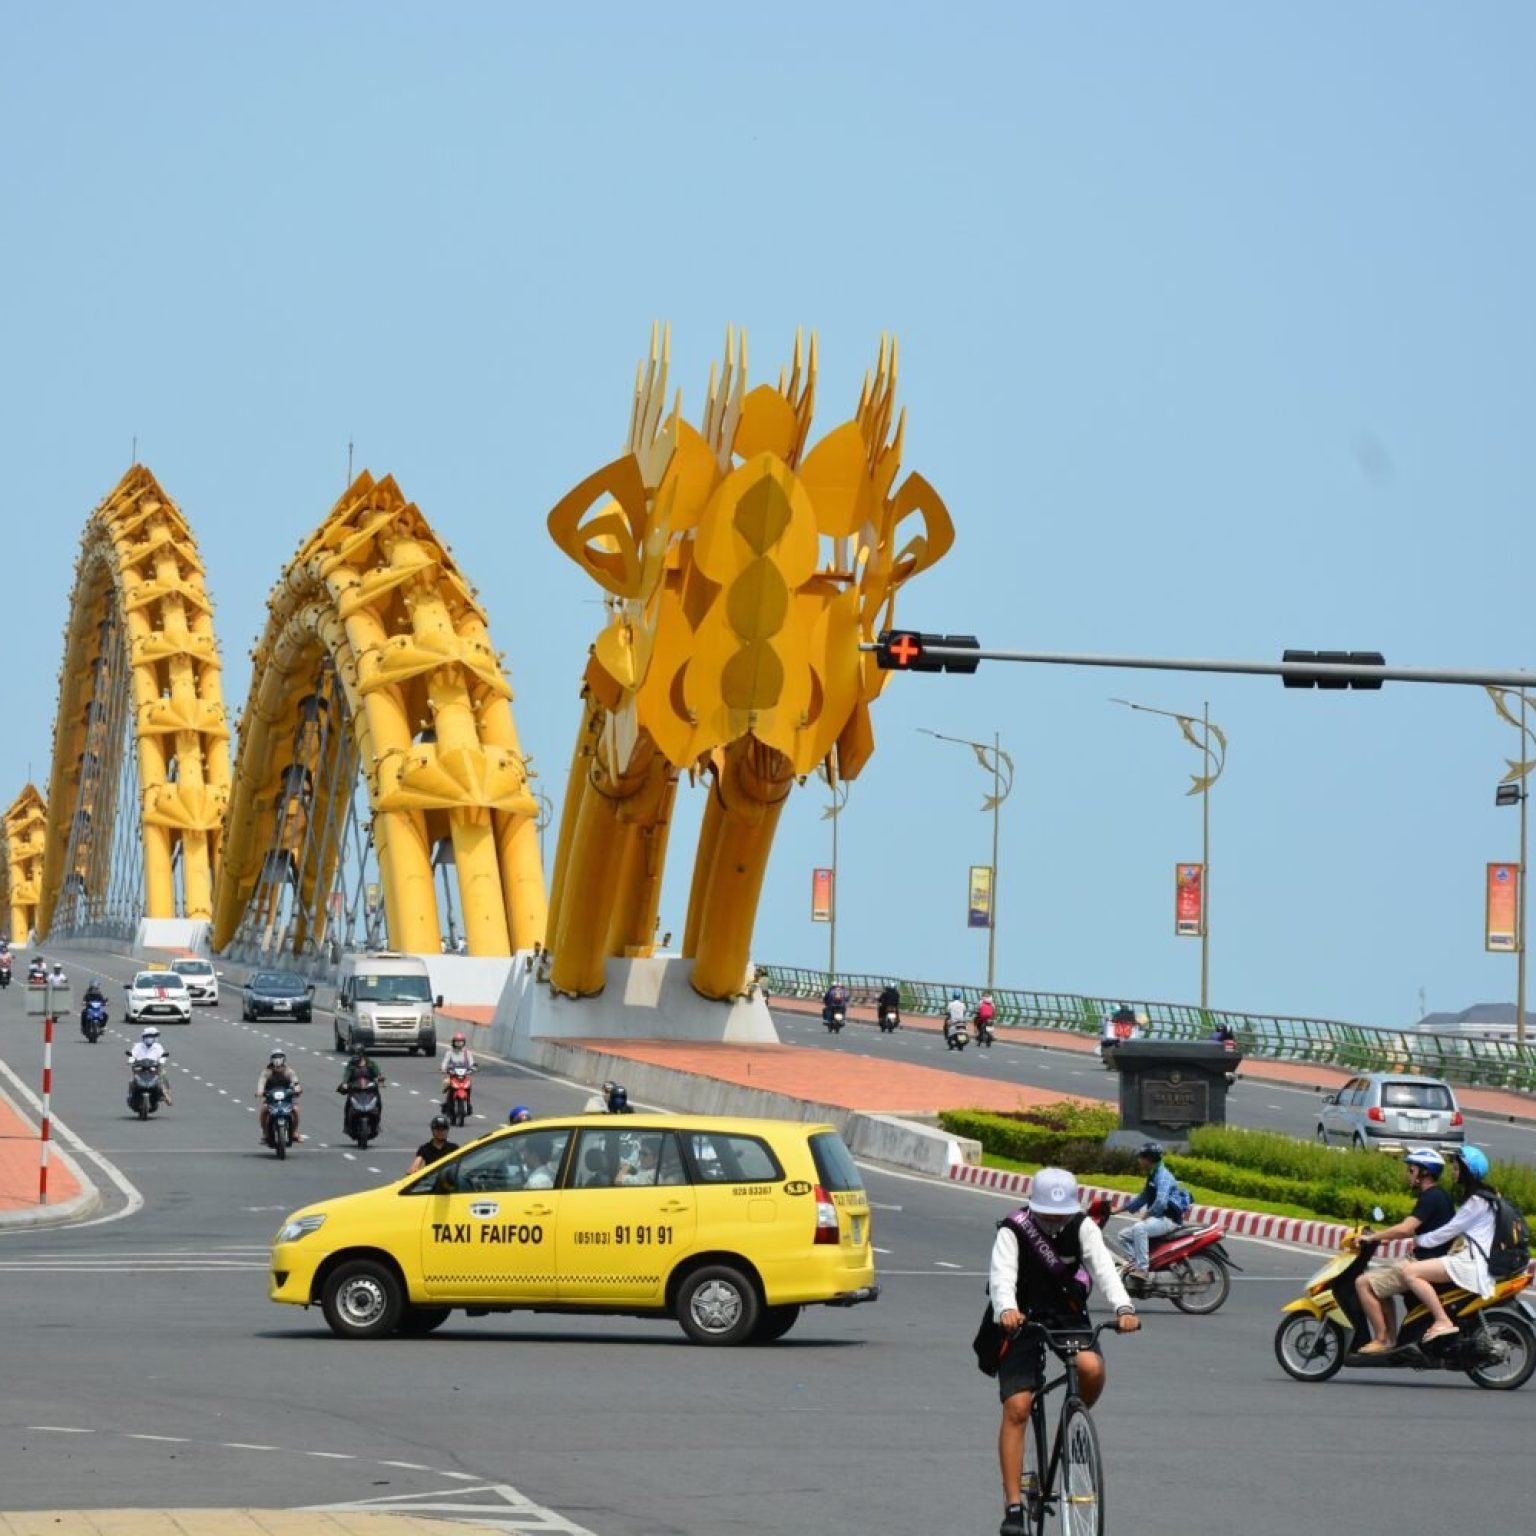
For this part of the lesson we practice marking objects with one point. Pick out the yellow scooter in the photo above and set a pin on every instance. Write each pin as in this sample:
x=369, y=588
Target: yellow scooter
x=1323, y=1330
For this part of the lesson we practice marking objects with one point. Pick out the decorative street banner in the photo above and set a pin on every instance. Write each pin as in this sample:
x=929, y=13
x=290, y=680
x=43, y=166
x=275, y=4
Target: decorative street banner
x=1189, y=900
x=979, y=914
x=1501, y=919
x=821, y=895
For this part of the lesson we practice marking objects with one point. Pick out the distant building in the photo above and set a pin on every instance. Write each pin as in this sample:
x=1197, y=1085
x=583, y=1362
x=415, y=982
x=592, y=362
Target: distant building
x=1482, y=1021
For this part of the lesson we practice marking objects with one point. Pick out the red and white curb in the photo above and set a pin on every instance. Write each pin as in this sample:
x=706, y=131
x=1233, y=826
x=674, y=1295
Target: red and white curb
x=1279, y=1229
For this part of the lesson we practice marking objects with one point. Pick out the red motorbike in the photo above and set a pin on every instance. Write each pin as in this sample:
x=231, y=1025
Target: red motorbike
x=1189, y=1266
x=457, y=1104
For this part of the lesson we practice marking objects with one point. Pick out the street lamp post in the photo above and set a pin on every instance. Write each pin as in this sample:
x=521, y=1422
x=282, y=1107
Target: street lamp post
x=998, y=763
x=839, y=792
x=1519, y=769
x=1215, y=761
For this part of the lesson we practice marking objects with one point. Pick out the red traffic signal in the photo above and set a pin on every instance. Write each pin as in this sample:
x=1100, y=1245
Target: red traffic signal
x=908, y=650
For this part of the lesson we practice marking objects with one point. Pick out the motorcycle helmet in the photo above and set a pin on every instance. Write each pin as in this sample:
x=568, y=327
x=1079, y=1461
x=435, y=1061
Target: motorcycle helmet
x=518, y=1114
x=278, y=1059
x=617, y=1098
x=439, y=1122
x=1474, y=1160
x=458, y=1038
x=150, y=1033
x=1426, y=1158
x=1151, y=1150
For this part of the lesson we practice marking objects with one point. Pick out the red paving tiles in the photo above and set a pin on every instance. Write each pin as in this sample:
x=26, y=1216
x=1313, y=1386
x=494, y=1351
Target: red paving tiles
x=19, y=1148
x=831, y=1077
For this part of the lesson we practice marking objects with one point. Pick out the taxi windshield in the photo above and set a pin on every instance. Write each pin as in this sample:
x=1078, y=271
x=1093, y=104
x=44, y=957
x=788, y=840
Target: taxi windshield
x=151, y=980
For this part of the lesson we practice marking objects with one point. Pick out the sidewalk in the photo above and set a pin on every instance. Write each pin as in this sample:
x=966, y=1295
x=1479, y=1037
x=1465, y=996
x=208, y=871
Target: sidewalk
x=1300, y=1074
x=19, y=1149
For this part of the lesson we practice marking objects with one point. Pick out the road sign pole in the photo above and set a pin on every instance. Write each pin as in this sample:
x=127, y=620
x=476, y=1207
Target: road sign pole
x=42, y=1167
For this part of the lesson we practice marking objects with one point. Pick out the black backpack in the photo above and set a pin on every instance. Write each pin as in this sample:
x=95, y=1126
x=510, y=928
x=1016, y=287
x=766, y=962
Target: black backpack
x=1510, y=1250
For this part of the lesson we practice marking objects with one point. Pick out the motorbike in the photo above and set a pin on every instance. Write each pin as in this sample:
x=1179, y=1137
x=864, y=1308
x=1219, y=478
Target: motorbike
x=362, y=1111
x=1189, y=1266
x=457, y=1103
x=143, y=1088
x=955, y=1035
x=5, y=971
x=93, y=1018
x=834, y=1016
x=889, y=1020
x=279, y=1120
x=1324, y=1329
x=984, y=1034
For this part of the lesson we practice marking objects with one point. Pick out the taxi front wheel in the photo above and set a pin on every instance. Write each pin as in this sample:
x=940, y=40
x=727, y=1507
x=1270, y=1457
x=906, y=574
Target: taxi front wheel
x=361, y=1300
x=718, y=1305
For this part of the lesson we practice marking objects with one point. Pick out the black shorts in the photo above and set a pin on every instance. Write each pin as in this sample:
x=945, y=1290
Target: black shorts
x=1024, y=1361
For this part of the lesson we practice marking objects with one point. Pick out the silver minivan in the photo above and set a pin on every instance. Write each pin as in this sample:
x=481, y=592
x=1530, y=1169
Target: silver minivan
x=1390, y=1112
x=384, y=1000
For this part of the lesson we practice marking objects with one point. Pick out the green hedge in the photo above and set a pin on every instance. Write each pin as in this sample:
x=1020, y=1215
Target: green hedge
x=1253, y=1165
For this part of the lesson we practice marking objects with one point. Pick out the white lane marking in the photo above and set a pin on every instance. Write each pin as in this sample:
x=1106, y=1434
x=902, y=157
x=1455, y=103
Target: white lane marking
x=242, y=1445
x=331, y=1455
x=875, y=1205
x=59, y=1429
x=944, y=1264
x=375, y=1170
x=133, y=1200
x=168, y=1439
x=885, y=1251
x=499, y=1506
x=920, y=1274
x=410, y=1466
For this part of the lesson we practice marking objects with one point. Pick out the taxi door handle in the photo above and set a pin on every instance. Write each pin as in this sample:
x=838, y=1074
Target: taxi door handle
x=675, y=1205
x=539, y=1210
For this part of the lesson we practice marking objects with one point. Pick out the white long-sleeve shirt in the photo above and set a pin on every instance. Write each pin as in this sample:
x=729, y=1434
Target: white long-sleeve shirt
x=1474, y=1220
x=1003, y=1281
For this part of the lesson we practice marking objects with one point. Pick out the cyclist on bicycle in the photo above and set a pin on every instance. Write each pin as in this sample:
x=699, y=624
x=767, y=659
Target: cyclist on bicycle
x=1042, y=1260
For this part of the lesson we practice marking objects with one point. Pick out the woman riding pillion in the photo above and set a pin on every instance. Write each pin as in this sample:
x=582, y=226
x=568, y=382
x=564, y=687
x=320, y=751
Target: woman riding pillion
x=1037, y=1274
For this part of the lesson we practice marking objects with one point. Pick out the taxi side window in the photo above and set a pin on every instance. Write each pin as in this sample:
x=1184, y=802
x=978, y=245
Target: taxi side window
x=719, y=1158
x=490, y=1168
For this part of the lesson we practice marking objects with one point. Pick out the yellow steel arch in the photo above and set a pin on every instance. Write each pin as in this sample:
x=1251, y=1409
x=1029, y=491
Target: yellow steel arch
x=140, y=627
x=743, y=570
x=373, y=594
x=22, y=830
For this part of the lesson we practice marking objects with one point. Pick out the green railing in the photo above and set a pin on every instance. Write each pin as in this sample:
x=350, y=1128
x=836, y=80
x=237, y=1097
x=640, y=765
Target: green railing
x=1327, y=1042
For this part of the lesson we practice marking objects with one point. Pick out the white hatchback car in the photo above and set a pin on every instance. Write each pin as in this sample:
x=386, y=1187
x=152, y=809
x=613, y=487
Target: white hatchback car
x=158, y=995
x=201, y=979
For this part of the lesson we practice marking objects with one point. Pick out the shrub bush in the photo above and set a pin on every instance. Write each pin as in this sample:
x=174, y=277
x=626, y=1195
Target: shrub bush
x=1272, y=1152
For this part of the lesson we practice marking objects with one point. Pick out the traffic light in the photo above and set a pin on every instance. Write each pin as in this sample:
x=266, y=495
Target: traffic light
x=1333, y=658
x=906, y=650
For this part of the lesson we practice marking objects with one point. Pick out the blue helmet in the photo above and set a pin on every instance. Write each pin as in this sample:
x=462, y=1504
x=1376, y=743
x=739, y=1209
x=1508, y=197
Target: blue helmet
x=1427, y=1159
x=519, y=1113
x=1474, y=1160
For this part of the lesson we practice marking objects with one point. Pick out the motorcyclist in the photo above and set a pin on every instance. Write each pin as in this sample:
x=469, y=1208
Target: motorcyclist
x=278, y=1074
x=359, y=1065
x=458, y=1054
x=890, y=1000
x=1466, y=1265
x=1154, y=1197
x=985, y=1014
x=56, y=976
x=37, y=969
x=148, y=1048
x=835, y=997
x=93, y=994
x=519, y=1114
x=954, y=1015
x=1432, y=1208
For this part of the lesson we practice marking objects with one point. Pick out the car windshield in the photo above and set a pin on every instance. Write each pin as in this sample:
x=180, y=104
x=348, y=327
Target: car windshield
x=1416, y=1096
x=272, y=981
x=166, y=979
x=193, y=967
x=392, y=989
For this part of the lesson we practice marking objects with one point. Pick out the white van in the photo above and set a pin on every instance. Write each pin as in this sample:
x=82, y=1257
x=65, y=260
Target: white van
x=384, y=1000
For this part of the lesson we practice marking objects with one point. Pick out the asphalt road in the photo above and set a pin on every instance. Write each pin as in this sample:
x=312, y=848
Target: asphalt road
x=1255, y=1102
x=143, y=1364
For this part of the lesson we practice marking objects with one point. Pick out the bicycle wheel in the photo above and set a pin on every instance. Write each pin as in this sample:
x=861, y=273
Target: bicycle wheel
x=1082, y=1474
x=1035, y=1468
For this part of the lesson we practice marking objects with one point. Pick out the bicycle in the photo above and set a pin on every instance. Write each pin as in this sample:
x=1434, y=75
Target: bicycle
x=1075, y=1454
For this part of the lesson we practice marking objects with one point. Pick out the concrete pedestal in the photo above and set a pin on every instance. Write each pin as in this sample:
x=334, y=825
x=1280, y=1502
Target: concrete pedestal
x=1167, y=1087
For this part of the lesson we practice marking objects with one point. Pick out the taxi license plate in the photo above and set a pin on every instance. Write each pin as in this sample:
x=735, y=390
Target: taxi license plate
x=858, y=1229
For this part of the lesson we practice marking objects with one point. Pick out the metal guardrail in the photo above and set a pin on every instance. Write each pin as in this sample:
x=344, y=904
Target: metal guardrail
x=1326, y=1042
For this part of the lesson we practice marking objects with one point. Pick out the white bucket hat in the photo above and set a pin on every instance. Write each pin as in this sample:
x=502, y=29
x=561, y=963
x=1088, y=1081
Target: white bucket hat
x=1053, y=1192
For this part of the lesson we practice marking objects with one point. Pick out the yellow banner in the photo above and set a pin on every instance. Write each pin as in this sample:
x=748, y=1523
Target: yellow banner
x=979, y=913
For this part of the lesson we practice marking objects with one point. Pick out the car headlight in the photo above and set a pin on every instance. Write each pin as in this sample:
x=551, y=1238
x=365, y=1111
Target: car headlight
x=299, y=1227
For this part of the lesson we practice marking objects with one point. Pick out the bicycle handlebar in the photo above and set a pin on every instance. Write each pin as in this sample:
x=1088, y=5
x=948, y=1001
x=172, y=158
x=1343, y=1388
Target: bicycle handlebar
x=1063, y=1341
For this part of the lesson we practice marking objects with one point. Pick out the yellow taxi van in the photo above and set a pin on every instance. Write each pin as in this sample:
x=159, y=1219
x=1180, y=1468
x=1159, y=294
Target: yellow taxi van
x=730, y=1226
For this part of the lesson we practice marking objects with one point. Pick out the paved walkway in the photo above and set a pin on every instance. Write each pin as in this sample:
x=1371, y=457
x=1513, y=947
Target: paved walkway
x=19, y=1148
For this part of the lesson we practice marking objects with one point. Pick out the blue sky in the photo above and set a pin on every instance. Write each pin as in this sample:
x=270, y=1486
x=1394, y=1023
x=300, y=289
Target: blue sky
x=1216, y=337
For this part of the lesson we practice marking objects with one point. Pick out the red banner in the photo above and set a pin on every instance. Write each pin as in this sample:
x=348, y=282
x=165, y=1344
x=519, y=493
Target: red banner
x=1189, y=900
x=821, y=895
x=1501, y=909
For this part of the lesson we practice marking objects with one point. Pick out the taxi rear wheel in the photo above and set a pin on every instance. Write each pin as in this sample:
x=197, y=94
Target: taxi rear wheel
x=774, y=1323
x=362, y=1300
x=718, y=1305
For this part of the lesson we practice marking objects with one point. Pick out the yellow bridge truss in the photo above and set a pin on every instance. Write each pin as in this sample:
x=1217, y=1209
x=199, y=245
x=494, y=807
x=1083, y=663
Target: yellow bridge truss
x=22, y=832
x=743, y=568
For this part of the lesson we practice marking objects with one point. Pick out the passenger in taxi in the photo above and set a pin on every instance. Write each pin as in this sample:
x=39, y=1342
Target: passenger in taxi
x=541, y=1163
x=643, y=1169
